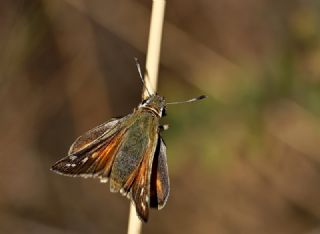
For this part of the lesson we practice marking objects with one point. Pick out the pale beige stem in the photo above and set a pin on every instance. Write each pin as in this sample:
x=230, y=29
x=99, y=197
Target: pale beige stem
x=154, y=45
x=134, y=226
x=151, y=80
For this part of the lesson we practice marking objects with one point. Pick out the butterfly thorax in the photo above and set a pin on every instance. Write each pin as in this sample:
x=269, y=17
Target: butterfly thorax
x=154, y=104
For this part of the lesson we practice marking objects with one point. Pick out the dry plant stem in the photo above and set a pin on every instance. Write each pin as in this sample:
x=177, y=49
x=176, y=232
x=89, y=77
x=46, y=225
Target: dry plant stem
x=151, y=80
x=154, y=45
x=134, y=226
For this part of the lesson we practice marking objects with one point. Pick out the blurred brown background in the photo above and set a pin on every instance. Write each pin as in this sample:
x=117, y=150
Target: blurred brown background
x=246, y=160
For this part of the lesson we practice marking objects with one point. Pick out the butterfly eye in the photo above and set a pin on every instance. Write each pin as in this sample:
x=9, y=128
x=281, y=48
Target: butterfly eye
x=164, y=112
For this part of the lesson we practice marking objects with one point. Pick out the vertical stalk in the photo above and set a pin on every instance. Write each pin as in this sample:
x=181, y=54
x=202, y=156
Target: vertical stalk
x=135, y=225
x=154, y=45
x=151, y=80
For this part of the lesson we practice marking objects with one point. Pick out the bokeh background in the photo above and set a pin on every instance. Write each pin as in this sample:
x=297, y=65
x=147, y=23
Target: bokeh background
x=246, y=160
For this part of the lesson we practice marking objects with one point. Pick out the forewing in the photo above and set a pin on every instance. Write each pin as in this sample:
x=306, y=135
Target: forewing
x=93, y=158
x=140, y=190
x=159, y=185
x=95, y=136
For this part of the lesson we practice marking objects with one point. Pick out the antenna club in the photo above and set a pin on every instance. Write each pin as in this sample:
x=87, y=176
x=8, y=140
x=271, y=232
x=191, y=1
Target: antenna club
x=202, y=97
x=190, y=100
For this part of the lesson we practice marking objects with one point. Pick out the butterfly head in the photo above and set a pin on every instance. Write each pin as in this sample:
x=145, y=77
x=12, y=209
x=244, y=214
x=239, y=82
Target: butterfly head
x=154, y=103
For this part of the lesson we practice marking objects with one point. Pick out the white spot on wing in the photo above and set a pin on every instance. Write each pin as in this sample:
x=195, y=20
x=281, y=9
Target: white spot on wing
x=103, y=180
x=84, y=160
x=72, y=157
x=123, y=192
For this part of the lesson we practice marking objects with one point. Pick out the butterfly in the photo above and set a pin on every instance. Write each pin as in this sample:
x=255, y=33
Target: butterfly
x=129, y=152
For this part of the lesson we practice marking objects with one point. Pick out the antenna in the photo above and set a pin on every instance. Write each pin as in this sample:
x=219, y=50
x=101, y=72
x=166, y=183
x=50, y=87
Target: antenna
x=191, y=100
x=140, y=74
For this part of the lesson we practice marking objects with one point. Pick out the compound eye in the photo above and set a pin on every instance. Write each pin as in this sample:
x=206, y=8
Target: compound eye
x=144, y=101
x=164, y=112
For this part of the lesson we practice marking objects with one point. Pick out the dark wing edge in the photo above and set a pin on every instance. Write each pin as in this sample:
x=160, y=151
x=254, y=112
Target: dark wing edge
x=160, y=184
